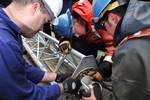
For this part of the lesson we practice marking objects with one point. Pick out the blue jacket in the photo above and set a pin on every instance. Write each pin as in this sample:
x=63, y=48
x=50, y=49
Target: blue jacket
x=17, y=78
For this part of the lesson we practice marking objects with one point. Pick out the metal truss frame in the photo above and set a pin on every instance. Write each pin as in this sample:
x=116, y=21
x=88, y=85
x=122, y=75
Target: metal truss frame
x=43, y=47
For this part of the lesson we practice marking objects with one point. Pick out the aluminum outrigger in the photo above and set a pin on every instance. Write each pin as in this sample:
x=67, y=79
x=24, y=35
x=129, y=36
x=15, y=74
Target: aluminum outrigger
x=43, y=48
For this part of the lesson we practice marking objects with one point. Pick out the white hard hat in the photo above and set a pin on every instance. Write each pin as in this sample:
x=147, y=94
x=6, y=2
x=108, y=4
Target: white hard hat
x=53, y=7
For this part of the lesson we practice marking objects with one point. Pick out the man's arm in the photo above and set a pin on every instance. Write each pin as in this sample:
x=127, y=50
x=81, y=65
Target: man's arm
x=128, y=77
x=37, y=75
x=14, y=82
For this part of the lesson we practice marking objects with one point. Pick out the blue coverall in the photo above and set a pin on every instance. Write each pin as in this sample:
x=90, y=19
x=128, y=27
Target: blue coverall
x=17, y=78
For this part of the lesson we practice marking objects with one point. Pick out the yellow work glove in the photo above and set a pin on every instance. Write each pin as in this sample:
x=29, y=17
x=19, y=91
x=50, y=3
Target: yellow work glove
x=95, y=75
x=104, y=71
x=64, y=46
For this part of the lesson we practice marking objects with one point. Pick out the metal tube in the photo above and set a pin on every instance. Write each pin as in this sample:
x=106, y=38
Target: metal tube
x=73, y=51
x=36, y=61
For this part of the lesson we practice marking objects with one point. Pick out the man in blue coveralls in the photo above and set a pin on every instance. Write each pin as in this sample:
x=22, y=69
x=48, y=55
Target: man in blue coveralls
x=17, y=78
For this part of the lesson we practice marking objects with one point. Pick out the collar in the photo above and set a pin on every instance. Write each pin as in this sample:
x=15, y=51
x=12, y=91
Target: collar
x=143, y=33
x=8, y=21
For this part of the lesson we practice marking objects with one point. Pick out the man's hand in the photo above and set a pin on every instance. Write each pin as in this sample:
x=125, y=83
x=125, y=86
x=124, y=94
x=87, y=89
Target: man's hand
x=105, y=68
x=64, y=46
x=101, y=72
x=95, y=75
x=71, y=85
x=92, y=97
x=48, y=77
x=96, y=92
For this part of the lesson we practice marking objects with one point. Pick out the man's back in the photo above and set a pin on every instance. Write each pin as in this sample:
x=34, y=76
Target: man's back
x=131, y=69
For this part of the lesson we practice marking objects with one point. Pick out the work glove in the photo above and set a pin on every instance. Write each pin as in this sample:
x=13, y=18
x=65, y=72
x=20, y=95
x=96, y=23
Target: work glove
x=61, y=77
x=94, y=74
x=105, y=69
x=95, y=92
x=71, y=85
x=102, y=72
x=64, y=46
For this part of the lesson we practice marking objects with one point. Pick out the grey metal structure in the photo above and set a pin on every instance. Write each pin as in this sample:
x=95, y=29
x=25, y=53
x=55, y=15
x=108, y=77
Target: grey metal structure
x=43, y=48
